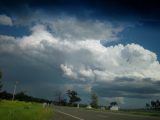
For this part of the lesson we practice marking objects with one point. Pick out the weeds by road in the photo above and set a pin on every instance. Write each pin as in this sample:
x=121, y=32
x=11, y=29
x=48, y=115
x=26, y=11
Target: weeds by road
x=133, y=112
x=16, y=110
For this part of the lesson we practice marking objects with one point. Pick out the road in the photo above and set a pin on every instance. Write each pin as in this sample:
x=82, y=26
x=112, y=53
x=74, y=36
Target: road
x=67, y=113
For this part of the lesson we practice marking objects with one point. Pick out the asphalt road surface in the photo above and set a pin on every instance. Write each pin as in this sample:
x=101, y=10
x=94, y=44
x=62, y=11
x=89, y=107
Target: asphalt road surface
x=67, y=113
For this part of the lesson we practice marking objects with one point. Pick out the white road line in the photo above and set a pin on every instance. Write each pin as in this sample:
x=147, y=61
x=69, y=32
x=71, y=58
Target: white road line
x=70, y=115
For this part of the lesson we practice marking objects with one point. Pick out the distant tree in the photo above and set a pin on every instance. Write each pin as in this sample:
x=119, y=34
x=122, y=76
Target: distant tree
x=113, y=103
x=58, y=96
x=63, y=102
x=21, y=96
x=147, y=106
x=73, y=97
x=0, y=81
x=5, y=95
x=153, y=104
x=94, y=100
x=157, y=104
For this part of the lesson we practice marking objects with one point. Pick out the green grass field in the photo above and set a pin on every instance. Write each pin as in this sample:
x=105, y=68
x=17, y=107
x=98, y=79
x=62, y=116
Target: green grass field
x=133, y=112
x=16, y=110
x=145, y=113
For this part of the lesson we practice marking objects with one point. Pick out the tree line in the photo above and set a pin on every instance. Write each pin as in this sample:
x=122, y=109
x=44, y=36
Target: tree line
x=21, y=96
x=0, y=80
x=74, y=99
x=153, y=105
x=72, y=95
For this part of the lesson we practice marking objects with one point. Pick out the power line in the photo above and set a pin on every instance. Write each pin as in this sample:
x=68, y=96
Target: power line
x=14, y=91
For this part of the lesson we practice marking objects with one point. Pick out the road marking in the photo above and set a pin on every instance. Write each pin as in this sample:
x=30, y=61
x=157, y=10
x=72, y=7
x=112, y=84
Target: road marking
x=70, y=115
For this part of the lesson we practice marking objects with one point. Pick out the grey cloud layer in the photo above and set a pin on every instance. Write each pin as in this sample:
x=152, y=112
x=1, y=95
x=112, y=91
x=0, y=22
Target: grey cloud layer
x=128, y=88
x=5, y=20
x=73, y=29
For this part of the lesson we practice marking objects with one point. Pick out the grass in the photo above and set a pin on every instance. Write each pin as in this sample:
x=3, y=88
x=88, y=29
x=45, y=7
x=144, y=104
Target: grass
x=16, y=110
x=142, y=112
x=133, y=112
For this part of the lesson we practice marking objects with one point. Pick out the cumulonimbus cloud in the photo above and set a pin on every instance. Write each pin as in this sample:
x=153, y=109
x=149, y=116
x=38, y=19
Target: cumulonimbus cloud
x=80, y=55
x=88, y=59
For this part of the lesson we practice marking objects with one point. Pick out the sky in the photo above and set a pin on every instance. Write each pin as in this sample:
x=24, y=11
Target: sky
x=107, y=47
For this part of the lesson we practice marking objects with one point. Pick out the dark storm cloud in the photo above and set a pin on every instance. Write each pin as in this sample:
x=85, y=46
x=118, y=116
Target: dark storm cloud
x=147, y=9
x=128, y=88
x=37, y=79
x=126, y=91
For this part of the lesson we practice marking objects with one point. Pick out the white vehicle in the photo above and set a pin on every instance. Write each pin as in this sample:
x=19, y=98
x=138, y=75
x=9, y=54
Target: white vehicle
x=89, y=107
x=115, y=107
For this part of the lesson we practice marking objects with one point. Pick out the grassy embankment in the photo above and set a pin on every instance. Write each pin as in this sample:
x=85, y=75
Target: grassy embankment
x=16, y=110
x=142, y=112
x=133, y=112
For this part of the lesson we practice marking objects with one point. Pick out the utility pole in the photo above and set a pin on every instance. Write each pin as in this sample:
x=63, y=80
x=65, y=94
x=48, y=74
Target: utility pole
x=14, y=91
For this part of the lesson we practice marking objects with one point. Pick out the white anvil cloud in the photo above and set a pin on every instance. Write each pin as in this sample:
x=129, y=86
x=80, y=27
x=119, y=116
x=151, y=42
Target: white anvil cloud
x=132, y=61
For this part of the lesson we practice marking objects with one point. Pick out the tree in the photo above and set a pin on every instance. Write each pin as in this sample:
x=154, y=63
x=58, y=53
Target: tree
x=58, y=96
x=73, y=96
x=21, y=96
x=157, y=104
x=5, y=95
x=147, y=106
x=153, y=104
x=0, y=80
x=113, y=103
x=94, y=100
